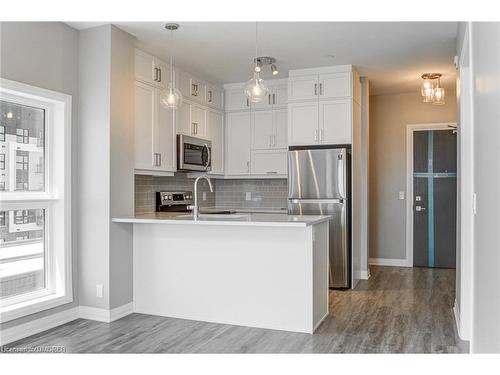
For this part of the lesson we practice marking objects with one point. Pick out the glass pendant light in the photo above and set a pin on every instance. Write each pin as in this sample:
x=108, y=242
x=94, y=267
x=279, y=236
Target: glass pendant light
x=427, y=87
x=256, y=89
x=438, y=94
x=171, y=97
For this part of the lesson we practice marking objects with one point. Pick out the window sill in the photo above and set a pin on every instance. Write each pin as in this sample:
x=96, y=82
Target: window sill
x=33, y=306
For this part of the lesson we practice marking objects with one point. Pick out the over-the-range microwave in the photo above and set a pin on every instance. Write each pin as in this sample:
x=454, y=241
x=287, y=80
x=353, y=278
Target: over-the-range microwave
x=193, y=154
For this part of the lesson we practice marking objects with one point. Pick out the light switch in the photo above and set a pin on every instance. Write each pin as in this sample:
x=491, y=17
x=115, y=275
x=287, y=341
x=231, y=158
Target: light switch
x=99, y=291
x=401, y=195
x=248, y=196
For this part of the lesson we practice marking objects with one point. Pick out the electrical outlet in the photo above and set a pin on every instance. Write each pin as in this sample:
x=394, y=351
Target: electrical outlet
x=99, y=291
x=401, y=195
x=248, y=196
x=204, y=196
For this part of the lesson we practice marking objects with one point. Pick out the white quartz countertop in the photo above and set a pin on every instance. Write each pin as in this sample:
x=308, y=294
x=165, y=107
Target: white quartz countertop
x=241, y=219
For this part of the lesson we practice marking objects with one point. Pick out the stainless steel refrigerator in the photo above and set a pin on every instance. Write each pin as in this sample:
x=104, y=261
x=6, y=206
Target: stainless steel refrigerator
x=319, y=184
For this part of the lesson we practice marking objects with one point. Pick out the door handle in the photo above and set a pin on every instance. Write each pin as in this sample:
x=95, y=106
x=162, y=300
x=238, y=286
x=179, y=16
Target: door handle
x=194, y=130
x=274, y=98
x=155, y=78
x=321, y=88
x=269, y=99
x=315, y=89
x=159, y=75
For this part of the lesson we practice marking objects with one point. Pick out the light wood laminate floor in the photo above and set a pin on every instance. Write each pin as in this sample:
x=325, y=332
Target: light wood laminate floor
x=398, y=310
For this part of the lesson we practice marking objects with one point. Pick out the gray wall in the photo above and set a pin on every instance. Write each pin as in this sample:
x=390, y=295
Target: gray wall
x=486, y=278
x=389, y=116
x=45, y=54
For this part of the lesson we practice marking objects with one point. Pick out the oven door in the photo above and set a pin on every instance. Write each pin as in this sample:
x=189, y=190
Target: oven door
x=193, y=154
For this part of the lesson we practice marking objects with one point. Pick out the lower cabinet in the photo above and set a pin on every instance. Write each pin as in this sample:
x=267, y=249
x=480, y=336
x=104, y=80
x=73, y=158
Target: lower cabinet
x=154, y=132
x=269, y=162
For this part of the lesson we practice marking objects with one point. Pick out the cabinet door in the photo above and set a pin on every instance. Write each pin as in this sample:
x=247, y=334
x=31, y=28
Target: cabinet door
x=335, y=121
x=184, y=125
x=144, y=68
x=145, y=120
x=196, y=90
x=262, y=130
x=236, y=100
x=163, y=72
x=164, y=136
x=335, y=85
x=303, y=88
x=213, y=96
x=280, y=95
x=269, y=162
x=303, y=123
x=280, y=117
x=215, y=129
x=238, y=143
x=198, y=121
x=267, y=103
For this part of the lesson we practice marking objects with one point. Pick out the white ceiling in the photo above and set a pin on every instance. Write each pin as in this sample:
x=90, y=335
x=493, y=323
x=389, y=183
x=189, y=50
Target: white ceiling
x=392, y=54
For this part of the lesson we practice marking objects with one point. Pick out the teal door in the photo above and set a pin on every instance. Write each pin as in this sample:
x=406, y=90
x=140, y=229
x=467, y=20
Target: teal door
x=434, y=198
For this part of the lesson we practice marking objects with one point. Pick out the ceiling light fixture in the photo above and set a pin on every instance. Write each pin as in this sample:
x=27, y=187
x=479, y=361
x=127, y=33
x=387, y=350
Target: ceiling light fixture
x=431, y=88
x=171, y=97
x=255, y=88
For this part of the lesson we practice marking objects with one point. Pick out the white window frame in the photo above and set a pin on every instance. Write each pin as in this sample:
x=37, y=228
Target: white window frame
x=55, y=200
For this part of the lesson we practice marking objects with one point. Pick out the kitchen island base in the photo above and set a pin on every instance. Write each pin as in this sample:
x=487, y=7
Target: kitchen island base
x=256, y=276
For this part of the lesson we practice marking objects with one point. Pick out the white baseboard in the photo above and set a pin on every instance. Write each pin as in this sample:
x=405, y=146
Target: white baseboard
x=388, y=262
x=38, y=325
x=104, y=315
x=456, y=314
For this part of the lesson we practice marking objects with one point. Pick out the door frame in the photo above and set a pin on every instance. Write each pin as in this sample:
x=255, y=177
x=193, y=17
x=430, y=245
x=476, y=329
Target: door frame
x=410, y=129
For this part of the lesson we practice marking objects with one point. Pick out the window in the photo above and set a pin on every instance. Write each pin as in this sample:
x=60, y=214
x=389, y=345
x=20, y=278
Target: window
x=35, y=228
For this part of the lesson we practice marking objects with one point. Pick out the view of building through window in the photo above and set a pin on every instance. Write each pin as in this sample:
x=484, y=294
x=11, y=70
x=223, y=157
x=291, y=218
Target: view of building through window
x=22, y=169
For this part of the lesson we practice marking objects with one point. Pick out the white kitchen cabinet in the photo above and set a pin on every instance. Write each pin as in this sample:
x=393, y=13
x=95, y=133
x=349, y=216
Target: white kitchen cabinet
x=335, y=85
x=238, y=142
x=269, y=162
x=191, y=120
x=262, y=130
x=215, y=130
x=335, y=121
x=154, y=131
x=213, y=96
x=280, y=95
x=191, y=87
x=269, y=129
x=303, y=87
x=236, y=100
x=151, y=70
x=280, y=121
x=303, y=120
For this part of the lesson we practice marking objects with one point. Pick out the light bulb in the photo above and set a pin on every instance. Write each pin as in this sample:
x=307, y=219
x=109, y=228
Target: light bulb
x=257, y=69
x=255, y=89
x=9, y=115
x=171, y=97
x=274, y=69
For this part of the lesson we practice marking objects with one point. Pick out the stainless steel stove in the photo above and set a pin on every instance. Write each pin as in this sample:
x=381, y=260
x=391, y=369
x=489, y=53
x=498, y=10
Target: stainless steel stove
x=173, y=201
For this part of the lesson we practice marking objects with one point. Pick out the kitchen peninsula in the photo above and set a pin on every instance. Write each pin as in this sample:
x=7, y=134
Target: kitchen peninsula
x=257, y=270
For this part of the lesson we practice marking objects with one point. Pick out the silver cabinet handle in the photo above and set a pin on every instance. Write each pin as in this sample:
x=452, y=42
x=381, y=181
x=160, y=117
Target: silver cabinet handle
x=274, y=98
x=315, y=89
x=316, y=135
x=193, y=129
x=274, y=140
x=272, y=172
x=156, y=159
x=248, y=103
x=210, y=96
x=155, y=78
x=321, y=88
x=159, y=159
x=321, y=134
x=194, y=89
x=159, y=75
x=248, y=167
x=269, y=99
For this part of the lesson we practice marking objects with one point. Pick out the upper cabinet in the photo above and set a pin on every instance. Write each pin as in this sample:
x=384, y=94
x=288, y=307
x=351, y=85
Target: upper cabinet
x=154, y=132
x=215, y=133
x=238, y=135
x=236, y=100
x=320, y=86
x=320, y=105
x=151, y=70
x=277, y=97
x=199, y=91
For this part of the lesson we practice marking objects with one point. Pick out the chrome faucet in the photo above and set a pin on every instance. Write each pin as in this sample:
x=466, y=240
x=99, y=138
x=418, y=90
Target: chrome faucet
x=194, y=207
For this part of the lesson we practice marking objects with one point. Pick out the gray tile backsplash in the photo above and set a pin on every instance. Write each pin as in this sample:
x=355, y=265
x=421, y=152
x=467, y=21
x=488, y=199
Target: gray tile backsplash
x=263, y=193
x=147, y=186
x=271, y=194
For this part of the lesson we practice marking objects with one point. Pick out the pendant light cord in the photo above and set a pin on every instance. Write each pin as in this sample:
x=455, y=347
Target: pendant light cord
x=172, y=58
x=256, y=42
